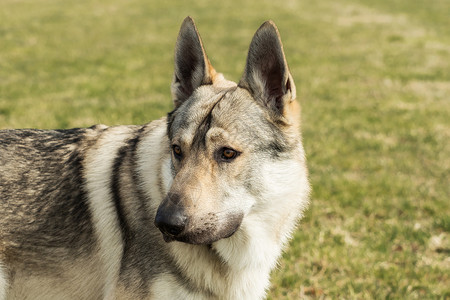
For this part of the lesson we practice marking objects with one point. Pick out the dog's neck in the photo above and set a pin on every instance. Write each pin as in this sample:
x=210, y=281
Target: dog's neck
x=234, y=268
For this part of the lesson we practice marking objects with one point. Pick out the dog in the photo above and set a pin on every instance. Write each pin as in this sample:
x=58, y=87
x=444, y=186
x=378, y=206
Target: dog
x=196, y=205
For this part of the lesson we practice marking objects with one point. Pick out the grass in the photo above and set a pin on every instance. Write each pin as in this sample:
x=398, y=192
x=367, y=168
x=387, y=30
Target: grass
x=373, y=78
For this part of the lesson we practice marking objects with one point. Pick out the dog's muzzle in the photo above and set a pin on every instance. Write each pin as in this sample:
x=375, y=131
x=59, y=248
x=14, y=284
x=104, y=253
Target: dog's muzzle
x=177, y=225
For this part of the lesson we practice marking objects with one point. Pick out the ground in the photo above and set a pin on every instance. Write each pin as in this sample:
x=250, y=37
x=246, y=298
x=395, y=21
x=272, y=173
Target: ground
x=373, y=79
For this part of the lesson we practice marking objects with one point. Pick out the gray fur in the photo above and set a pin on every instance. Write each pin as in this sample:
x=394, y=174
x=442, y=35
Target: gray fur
x=39, y=204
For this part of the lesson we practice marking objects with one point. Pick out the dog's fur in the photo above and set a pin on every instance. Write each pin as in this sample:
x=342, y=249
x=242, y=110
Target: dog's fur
x=223, y=177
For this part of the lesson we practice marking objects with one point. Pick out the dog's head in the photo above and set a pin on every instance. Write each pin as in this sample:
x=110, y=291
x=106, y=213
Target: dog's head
x=226, y=138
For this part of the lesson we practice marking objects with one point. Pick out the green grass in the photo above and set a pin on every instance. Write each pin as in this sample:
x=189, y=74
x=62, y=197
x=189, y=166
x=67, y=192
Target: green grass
x=373, y=78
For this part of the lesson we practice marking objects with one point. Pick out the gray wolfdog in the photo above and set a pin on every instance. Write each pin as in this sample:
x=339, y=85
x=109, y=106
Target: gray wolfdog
x=196, y=205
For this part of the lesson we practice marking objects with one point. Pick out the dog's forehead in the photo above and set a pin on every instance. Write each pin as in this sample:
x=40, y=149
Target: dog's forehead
x=186, y=119
x=231, y=109
x=237, y=112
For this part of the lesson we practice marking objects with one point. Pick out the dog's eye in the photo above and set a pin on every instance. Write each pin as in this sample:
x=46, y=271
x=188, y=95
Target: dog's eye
x=177, y=151
x=229, y=154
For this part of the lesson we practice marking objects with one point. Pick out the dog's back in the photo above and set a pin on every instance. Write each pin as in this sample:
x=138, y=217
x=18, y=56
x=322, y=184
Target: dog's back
x=39, y=203
x=45, y=222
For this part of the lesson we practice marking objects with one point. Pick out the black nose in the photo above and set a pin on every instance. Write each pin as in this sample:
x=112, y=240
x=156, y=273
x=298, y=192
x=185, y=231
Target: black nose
x=170, y=221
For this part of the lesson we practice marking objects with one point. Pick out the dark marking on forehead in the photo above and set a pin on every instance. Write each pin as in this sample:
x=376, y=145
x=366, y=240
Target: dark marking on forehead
x=200, y=137
x=170, y=117
x=183, y=114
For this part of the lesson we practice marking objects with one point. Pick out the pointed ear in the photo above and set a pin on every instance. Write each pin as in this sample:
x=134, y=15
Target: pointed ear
x=266, y=75
x=192, y=67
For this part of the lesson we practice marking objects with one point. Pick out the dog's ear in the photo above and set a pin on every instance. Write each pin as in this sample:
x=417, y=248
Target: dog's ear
x=192, y=67
x=266, y=75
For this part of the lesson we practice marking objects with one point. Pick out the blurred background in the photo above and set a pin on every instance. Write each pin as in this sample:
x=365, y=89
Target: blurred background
x=373, y=79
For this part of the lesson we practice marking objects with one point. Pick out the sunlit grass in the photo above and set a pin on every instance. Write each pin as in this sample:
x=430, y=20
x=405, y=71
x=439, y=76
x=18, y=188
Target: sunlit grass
x=373, y=78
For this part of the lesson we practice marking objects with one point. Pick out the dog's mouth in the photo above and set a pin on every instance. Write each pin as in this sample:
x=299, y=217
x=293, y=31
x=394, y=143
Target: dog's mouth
x=205, y=235
x=197, y=240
